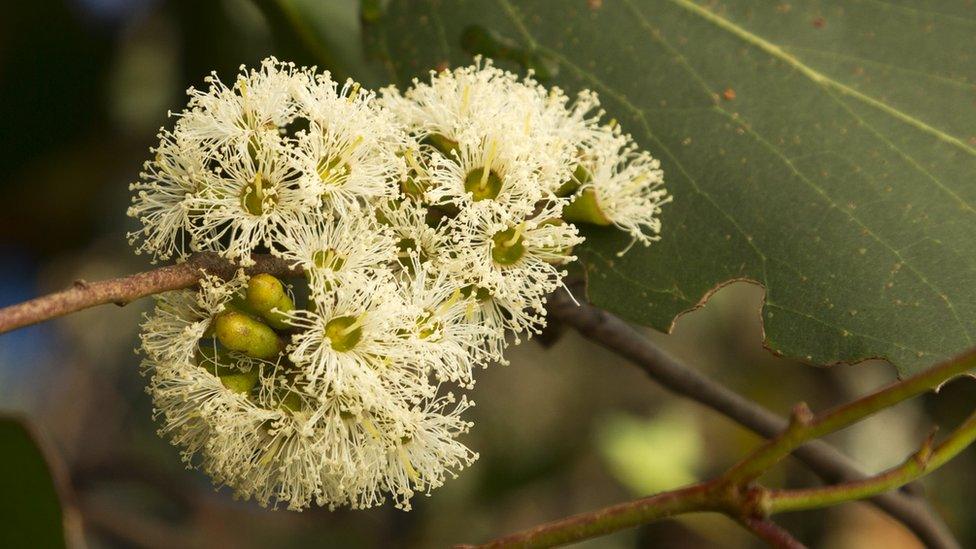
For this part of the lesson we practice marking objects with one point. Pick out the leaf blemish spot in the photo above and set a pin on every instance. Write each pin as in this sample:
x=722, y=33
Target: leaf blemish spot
x=728, y=94
x=819, y=23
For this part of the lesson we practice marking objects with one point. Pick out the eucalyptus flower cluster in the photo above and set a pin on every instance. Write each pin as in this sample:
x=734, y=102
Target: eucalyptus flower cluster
x=430, y=226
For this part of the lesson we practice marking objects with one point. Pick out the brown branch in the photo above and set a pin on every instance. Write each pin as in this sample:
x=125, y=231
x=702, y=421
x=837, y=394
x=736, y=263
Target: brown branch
x=695, y=498
x=771, y=533
x=121, y=291
x=825, y=461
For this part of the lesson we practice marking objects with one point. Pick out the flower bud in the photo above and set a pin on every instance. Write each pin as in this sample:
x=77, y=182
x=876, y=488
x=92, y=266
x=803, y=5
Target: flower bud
x=585, y=208
x=239, y=332
x=240, y=382
x=266, y=295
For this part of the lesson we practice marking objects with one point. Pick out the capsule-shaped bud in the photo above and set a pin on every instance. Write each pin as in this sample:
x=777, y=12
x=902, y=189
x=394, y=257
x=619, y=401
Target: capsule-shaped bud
x=240, y=382
x=266, y=296
x=585, y=208
x=240, y=332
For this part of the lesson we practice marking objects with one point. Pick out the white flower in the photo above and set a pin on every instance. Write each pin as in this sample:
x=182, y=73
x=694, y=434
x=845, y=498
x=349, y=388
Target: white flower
x=443, y=333
x=348, y=155
x=167, y=182
x=492, y=116
x=248, y=202
x=258, y=102
x=352, y=342
x=491, y=168
x=336, y=250
x=415, y=236
x=428, y=452
x=516, y=257
x=625, y=186
x=454, y=99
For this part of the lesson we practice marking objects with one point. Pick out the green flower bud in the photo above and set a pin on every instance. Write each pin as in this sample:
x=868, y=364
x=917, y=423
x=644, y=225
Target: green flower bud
x=240, y=382
x=239, y=332
x=585, y=208
x=266, y=295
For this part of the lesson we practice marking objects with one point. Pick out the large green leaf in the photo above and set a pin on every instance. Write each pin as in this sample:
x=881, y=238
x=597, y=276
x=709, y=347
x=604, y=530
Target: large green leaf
x=826, y=150
x=31, y=513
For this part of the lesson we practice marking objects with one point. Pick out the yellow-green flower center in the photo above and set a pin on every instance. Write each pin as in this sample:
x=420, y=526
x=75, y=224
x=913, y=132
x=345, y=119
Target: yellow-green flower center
x=328, y=259
x=333, y=170
x=253, y=195
x=344, y=332
x=482, y=184
x=509, y=246
x=429, y=328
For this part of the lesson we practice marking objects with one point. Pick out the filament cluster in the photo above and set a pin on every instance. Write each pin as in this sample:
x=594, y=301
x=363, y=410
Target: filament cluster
x=430, y=226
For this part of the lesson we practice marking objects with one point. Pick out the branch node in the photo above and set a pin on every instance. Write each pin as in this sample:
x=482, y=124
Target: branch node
x=924, y=453
x=81, y=284
x=756, y=502
x=800, y=417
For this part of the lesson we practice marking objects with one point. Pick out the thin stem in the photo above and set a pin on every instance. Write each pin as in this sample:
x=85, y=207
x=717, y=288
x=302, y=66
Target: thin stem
x=828, y=463
x=121, y=291
x=771, y=533
x=695, y=498
x=737, y=496
x=804, y=427
x=919, y=464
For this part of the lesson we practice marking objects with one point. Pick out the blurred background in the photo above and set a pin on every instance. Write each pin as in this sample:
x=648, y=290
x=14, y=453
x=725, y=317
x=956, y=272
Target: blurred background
x=84, y=86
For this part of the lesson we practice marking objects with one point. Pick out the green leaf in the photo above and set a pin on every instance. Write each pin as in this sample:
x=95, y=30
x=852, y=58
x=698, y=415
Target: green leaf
x=30, y=508
x=824, y=150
